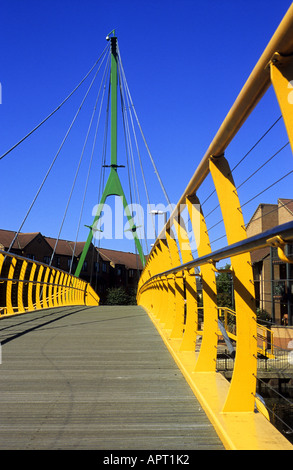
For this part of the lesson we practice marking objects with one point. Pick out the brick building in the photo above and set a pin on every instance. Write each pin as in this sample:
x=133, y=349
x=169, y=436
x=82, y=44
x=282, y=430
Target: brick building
x=102, y=268
x=273, y=278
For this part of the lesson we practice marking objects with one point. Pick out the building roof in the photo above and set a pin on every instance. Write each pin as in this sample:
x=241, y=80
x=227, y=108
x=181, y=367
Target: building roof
x=287, y=204
x=66, y=248
x=22, y=240
x=130, y=260
x=260, y=206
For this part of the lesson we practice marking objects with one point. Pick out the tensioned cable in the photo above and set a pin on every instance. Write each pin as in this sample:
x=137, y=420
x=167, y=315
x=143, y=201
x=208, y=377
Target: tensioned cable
x=138, y=152
x=54, y=160
x=247, y=179
x=140, y=128
x=129, y=142
x=264, y=164
x=280, y=395
x=128, y=161
x=130, y=148
x=270, y=212
x=102, y=170
x=56, y=109
x=270, y=186
x=77, y=171
x=246, y=155
x=92, y=153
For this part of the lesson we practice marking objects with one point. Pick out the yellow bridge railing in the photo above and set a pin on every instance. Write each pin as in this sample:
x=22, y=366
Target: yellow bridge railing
x=265, y=337
x=27, y=285
x=168, y=286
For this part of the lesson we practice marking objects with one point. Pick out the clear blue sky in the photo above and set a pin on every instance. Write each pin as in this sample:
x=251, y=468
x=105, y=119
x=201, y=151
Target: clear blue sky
x=185, y=63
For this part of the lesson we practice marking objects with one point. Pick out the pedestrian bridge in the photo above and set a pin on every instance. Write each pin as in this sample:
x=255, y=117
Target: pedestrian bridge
x=76, y=375
x=95, y=378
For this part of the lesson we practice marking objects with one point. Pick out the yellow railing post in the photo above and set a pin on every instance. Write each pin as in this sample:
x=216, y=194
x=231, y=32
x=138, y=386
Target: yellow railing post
x=52, y=288
x=175, y=320
x=191, y=326
x=242, y=390
x=20, y=307
x=281, y=68
x=45, y=288
x=207, y=358
x=30, y=303
x=39, y=289
x=55, y=288
x=9, y=306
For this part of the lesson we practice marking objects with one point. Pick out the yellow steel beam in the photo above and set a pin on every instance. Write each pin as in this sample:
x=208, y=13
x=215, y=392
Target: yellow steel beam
x=39, y=304
x=175, y=321
x=207, y=358
x=191, y=325
x=20, y=307
x=281, y=68
x=253, y=90
x=9, y=305
x=241, y=395
x=52, y=288
x=30, y=287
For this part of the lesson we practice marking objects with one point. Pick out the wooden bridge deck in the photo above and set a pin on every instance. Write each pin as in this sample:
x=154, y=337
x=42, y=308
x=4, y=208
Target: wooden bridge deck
x=94, y=378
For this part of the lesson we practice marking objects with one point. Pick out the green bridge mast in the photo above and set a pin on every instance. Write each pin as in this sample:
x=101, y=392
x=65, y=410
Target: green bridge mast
x=113, y=186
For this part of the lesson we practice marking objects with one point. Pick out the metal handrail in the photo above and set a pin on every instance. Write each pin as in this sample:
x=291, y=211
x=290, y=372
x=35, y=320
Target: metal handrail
x=247, y=245
x=251, y=93
x=71, y=291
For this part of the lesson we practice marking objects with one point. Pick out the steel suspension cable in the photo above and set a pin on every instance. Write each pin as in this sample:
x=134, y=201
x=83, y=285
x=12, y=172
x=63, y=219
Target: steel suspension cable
x=268, y=187
x=249, y=177
x=262, y=166
x=77, y=171
x=92, y=153
x=56, y=109
x=247, y=153
x=142, y=134
x=131, y=149
x=54, y=159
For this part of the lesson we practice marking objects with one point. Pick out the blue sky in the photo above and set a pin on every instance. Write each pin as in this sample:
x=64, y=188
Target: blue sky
x=185, y=63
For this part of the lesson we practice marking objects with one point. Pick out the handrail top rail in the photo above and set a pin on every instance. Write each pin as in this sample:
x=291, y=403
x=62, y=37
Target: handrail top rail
x=23, y=258
x=249, y=244
x=254, y=88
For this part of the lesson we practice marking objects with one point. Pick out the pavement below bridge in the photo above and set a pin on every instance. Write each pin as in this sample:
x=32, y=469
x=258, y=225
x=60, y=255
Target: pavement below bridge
x=90, y=378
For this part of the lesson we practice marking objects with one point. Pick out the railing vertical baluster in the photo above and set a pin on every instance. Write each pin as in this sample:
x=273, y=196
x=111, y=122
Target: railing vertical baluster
x=20, y=306
x=207, y=358
x=9, y=305
x=243, y=384
x=175, y=320
x=191, y=324
x=281, y=68
x=39, y=289
x=30, y=303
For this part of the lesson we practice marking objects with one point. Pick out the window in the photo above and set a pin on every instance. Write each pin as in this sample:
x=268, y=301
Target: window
x=131, y=273
x=46, y=259
x=97, y=267
x=104, y=267
x=84, y=266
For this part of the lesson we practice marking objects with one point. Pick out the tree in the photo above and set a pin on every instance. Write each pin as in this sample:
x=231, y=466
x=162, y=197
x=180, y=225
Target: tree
x=119, y=296
x=225, y=288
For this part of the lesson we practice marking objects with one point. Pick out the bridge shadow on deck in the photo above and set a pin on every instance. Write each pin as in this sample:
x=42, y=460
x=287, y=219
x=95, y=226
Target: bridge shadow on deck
x=94, y=378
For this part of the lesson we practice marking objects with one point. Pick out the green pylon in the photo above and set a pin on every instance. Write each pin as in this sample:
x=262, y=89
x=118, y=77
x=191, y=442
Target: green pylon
x=113, y=186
